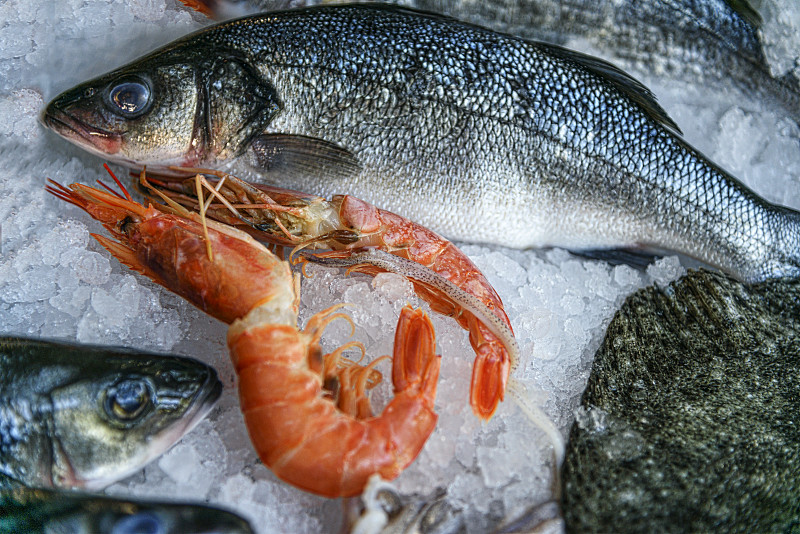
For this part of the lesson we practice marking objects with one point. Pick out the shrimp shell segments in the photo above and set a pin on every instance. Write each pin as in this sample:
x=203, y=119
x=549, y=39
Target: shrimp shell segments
x=442, y=275
x=303, y=438
x=294, y=425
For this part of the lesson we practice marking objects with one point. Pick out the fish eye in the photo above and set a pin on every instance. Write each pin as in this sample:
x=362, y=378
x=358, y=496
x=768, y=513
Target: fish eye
x=129, y=98
x=141, y=523
x=128, y=400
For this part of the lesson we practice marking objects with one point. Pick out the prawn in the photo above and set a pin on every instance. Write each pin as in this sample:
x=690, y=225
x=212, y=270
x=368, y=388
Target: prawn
x=301, y=431
x=367, y=239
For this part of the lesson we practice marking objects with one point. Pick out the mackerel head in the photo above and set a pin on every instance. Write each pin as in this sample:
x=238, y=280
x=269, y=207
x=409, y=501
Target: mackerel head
x=86, y=416
x=481, y=136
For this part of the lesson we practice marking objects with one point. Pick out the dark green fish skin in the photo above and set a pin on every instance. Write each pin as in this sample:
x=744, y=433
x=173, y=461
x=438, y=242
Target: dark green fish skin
x=39, y=511
x=692, y=413
x=86, y=416
x=480, y=136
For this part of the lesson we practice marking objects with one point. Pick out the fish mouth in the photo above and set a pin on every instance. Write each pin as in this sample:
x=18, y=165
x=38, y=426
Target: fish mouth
x=203, y=402
x=86, y=136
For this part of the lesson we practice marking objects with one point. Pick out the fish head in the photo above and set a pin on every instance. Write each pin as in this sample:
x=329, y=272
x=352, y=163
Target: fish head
x=176, y=107
x=167, y=518
x=122, y=116
x=122, y=412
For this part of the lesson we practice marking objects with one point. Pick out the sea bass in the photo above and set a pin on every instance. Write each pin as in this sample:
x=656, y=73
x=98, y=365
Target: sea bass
x=478, y=135
x=40, y=511
x=86, y=416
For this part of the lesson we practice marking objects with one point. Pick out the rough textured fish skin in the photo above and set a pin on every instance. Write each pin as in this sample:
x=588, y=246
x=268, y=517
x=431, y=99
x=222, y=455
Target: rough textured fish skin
x=70, y=414
x=480, y=136
x=691, y=407
x=702, y=41
x=40, y=511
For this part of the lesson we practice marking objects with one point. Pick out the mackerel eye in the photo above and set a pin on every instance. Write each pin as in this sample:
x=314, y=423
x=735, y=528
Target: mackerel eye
x=128, y=400
x=130, y=99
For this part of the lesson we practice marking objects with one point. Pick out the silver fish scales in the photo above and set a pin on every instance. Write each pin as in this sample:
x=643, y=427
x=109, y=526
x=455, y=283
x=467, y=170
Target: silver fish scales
x=482, y=136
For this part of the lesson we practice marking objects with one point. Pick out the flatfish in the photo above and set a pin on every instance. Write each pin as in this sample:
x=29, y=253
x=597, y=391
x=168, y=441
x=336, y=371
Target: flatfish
x=689, y=422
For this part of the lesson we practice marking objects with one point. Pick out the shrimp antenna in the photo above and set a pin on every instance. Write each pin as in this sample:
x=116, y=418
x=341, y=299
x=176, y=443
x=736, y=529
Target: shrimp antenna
x=267, y=202
x=540, y=420
x=202, y=205
x=119, y=184
x=177, y=209
x=62, y=192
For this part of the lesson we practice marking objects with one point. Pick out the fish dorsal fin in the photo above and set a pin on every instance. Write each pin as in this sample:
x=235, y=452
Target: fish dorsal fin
x=298, y=157
x=630, y=86
x=746, y=11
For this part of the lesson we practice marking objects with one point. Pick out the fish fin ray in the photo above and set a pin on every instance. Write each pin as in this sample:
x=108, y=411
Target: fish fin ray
x=746, y=11
x=630, y=86
x=293, y=156
x=636, y=258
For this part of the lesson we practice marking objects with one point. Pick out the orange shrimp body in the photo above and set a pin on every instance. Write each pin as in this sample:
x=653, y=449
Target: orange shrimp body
x=300, y=434
x=406, y=239
x=348, y=225
x=295, y=425
x=171, y=250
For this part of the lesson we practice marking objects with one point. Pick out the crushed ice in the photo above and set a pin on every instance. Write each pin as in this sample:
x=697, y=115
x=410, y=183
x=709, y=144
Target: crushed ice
x=55, y=281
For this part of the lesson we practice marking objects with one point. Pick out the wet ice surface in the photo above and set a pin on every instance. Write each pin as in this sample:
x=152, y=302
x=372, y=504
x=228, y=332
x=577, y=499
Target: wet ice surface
x=56, y=281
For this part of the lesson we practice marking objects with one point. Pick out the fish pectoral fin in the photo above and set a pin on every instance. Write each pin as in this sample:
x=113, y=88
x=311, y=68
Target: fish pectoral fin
x=294, y=157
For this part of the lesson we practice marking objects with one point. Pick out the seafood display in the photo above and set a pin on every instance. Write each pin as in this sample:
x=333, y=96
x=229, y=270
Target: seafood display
x=86, y=416
x=355, y=231
x=692, y=408
x=472, y=475
x=41, y=511
x=307, y=414
x=442, y=122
